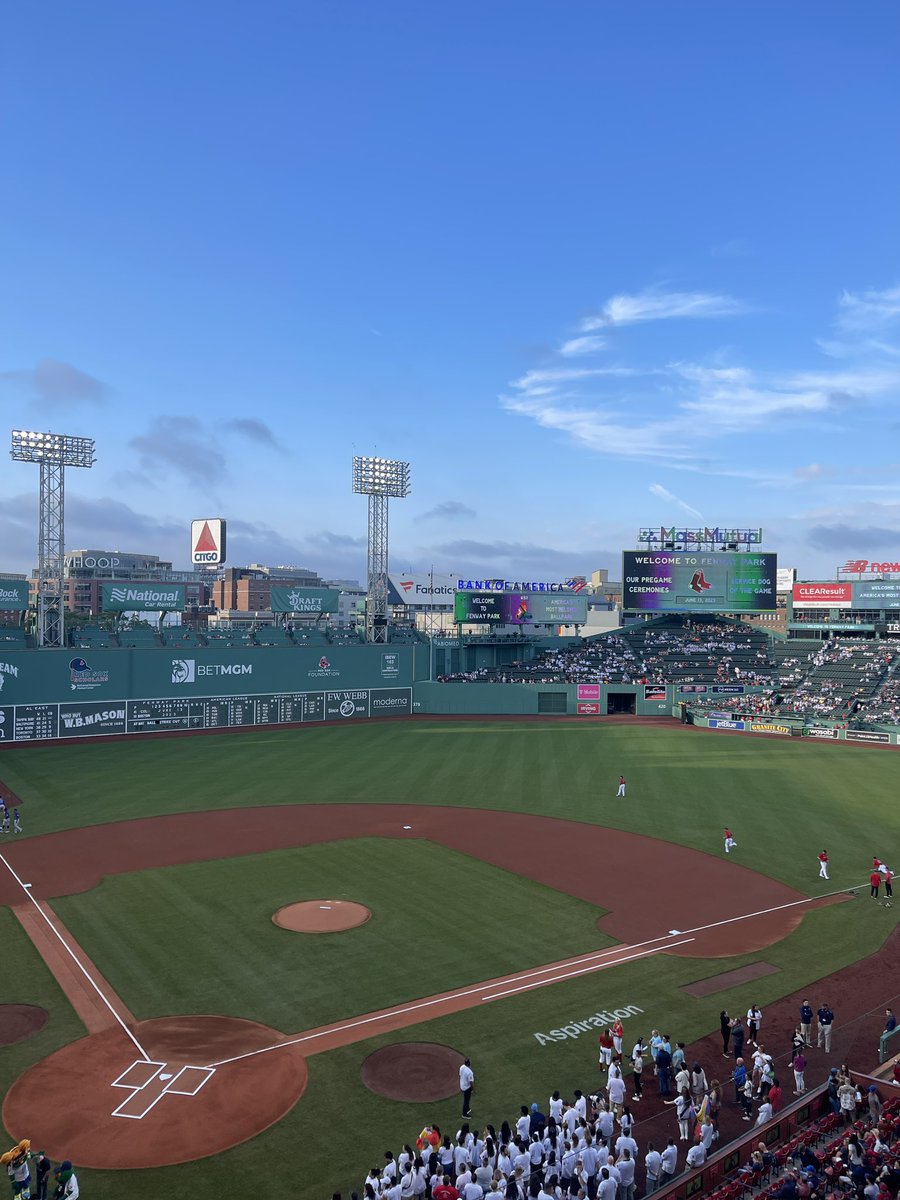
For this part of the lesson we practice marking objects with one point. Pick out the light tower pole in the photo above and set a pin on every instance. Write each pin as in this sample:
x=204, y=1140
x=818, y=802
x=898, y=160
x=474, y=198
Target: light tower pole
x=379, y=479
x=53, y=452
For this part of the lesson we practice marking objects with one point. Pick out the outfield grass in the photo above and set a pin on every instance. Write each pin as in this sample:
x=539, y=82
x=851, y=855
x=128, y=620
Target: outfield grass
x=783, y=800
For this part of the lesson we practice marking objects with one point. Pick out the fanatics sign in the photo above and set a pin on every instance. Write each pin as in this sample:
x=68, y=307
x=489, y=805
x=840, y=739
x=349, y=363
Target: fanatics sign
x=208, y=542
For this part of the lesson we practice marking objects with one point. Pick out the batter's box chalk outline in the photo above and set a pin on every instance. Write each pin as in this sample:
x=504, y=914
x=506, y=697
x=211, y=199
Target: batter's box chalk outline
x=148, y=1082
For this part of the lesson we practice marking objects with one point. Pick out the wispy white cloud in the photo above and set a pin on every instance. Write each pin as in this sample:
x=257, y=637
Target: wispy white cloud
x=657, y=489
x=655, y=305
x=676, y=412
x=576, y=347
x=604, y=431
x=545, y=382
x=871, y=311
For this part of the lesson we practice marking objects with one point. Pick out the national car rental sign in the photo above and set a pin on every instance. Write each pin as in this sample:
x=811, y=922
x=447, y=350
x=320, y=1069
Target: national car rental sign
x=208, y=542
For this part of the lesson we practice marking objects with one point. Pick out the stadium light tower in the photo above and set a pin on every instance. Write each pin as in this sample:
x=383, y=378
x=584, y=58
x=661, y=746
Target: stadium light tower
x=53, y=452
x=379, y=479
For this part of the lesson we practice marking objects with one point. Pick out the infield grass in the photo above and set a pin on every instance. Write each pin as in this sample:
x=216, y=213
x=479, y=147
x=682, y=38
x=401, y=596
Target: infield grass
x=441, y=920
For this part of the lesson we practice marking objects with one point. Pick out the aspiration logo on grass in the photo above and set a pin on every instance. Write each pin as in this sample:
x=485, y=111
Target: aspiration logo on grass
x=599, y=1020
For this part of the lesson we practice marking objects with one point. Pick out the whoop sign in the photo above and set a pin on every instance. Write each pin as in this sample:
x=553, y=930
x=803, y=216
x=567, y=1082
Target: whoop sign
x=208, y=542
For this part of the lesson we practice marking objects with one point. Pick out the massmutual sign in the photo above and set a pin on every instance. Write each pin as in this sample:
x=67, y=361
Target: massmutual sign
x=143, y=597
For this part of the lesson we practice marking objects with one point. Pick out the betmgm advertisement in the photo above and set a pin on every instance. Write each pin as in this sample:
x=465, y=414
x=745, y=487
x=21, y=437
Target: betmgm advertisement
x=716, y=582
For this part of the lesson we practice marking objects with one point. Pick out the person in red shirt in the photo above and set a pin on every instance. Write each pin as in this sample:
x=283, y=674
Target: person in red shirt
x=823, y=865
x=729, y=841
x=445, y=1190
x=618, y=1032
x=606, y=1048
x=775, y=1095
x=874, y=882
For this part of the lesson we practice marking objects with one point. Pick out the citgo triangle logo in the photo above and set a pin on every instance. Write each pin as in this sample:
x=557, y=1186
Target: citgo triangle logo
x=206, y=541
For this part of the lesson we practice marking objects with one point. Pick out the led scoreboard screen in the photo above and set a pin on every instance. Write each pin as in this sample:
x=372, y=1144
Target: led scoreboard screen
x=520, y=608
x=711, y=582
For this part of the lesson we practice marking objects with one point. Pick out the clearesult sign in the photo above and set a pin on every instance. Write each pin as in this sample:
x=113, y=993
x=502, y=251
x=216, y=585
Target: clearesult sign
x=822, y=595
x=143, y=597
x=13, y=595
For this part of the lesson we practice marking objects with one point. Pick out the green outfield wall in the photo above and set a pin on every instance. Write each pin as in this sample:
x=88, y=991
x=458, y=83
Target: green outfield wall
x=49, y=694
x=46, y=695
x=545, y=699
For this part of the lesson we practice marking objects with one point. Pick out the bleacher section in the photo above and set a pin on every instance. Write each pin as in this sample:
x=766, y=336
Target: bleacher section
x=13, y=638
x=141, y=637
x=92, y=637
x=839, y=676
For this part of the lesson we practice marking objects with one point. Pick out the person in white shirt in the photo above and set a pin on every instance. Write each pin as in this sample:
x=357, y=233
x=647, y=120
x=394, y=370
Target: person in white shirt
x=555, y=1107
x=625, y=1167
x=472, y=1191
x=626, y=1142
x=696, y=1156
x=589, y=1161
x=466, y=1084
x=608, y=1186
x=616, y=1092
x=669, y=1163
x=652, y=1168
x=606, y=1123
x=765, y=1113
x=580, y=1105
x=707, y=1134
x=754, y=1021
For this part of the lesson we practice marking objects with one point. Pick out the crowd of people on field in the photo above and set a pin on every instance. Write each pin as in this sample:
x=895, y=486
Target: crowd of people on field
x=584, y=1145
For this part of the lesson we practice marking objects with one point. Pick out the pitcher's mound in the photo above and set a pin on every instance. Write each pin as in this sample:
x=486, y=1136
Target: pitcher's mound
x=99, y=1103
x=18, y=1021
x=321, y=916
x=413, y=1071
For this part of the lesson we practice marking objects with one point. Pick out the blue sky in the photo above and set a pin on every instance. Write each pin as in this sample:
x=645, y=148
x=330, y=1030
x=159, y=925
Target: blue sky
x=588, y=266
